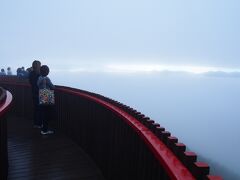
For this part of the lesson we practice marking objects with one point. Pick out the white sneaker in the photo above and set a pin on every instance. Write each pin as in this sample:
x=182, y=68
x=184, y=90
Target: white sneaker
x=46, y=132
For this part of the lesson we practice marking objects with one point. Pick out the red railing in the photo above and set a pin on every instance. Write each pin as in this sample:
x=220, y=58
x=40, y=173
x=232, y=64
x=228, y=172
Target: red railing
x=175, y=169
x=5, y=102
x=105, y=128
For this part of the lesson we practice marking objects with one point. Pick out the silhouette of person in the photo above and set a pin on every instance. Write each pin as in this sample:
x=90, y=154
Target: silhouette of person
x=33, y=78
x=45, y=110
x=3, y=73
x=9, y=71
x=19, y=72
x=29, y=69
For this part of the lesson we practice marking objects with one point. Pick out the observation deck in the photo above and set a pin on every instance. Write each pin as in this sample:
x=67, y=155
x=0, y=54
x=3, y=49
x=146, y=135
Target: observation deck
x=96, y=138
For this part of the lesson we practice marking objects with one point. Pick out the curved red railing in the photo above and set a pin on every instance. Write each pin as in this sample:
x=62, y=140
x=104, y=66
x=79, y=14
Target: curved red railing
x=2, y=95
x=5, y=104
x=178, y=163
x=173, y=166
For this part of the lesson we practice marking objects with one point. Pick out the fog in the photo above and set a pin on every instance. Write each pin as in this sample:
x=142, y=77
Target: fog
x=175, y=61
x=202, y=32
x=201, y=110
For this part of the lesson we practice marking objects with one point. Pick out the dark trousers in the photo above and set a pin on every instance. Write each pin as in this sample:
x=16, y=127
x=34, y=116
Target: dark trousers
x=36, y=112
x=46, y=114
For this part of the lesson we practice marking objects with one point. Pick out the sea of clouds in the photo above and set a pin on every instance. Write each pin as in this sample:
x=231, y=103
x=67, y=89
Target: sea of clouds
x=201, y=109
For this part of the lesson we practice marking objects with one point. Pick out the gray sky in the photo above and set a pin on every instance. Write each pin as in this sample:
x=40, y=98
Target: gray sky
x=202, y=32
x=120, y=36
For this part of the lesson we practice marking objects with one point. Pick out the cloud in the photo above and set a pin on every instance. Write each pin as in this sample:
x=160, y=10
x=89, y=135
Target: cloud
x=147, y=68
x=222, y=74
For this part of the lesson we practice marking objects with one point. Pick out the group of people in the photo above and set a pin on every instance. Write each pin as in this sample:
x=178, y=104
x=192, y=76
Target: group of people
x=21, y=72
x=3, y=73
x=39, y=80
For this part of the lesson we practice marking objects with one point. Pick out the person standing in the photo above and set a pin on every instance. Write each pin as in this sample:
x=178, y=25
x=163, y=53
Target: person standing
x=3, y=72
x=9, y=72
x=33, y=78
x=45, y=110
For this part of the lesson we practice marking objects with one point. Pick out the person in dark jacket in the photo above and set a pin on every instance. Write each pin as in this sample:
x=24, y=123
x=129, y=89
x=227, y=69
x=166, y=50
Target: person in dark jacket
x=33, y=78
x=45, y=110
x=3, y=72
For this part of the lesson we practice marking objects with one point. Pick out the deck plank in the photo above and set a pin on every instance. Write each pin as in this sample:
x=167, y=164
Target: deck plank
x=33, y=156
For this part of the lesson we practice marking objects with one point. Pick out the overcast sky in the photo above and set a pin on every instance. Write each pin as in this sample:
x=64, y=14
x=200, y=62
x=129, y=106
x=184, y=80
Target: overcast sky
x=186, y=32
x=120, y=36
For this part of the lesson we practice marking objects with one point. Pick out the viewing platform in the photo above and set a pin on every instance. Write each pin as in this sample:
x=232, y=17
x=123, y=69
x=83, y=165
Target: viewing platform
x=95, y=138
x=34, y=156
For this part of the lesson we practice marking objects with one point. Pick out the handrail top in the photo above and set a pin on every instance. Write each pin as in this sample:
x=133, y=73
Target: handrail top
x=4, y=106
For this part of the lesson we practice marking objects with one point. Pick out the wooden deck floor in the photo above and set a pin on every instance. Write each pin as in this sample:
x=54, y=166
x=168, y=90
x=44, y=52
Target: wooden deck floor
x=33, y=156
